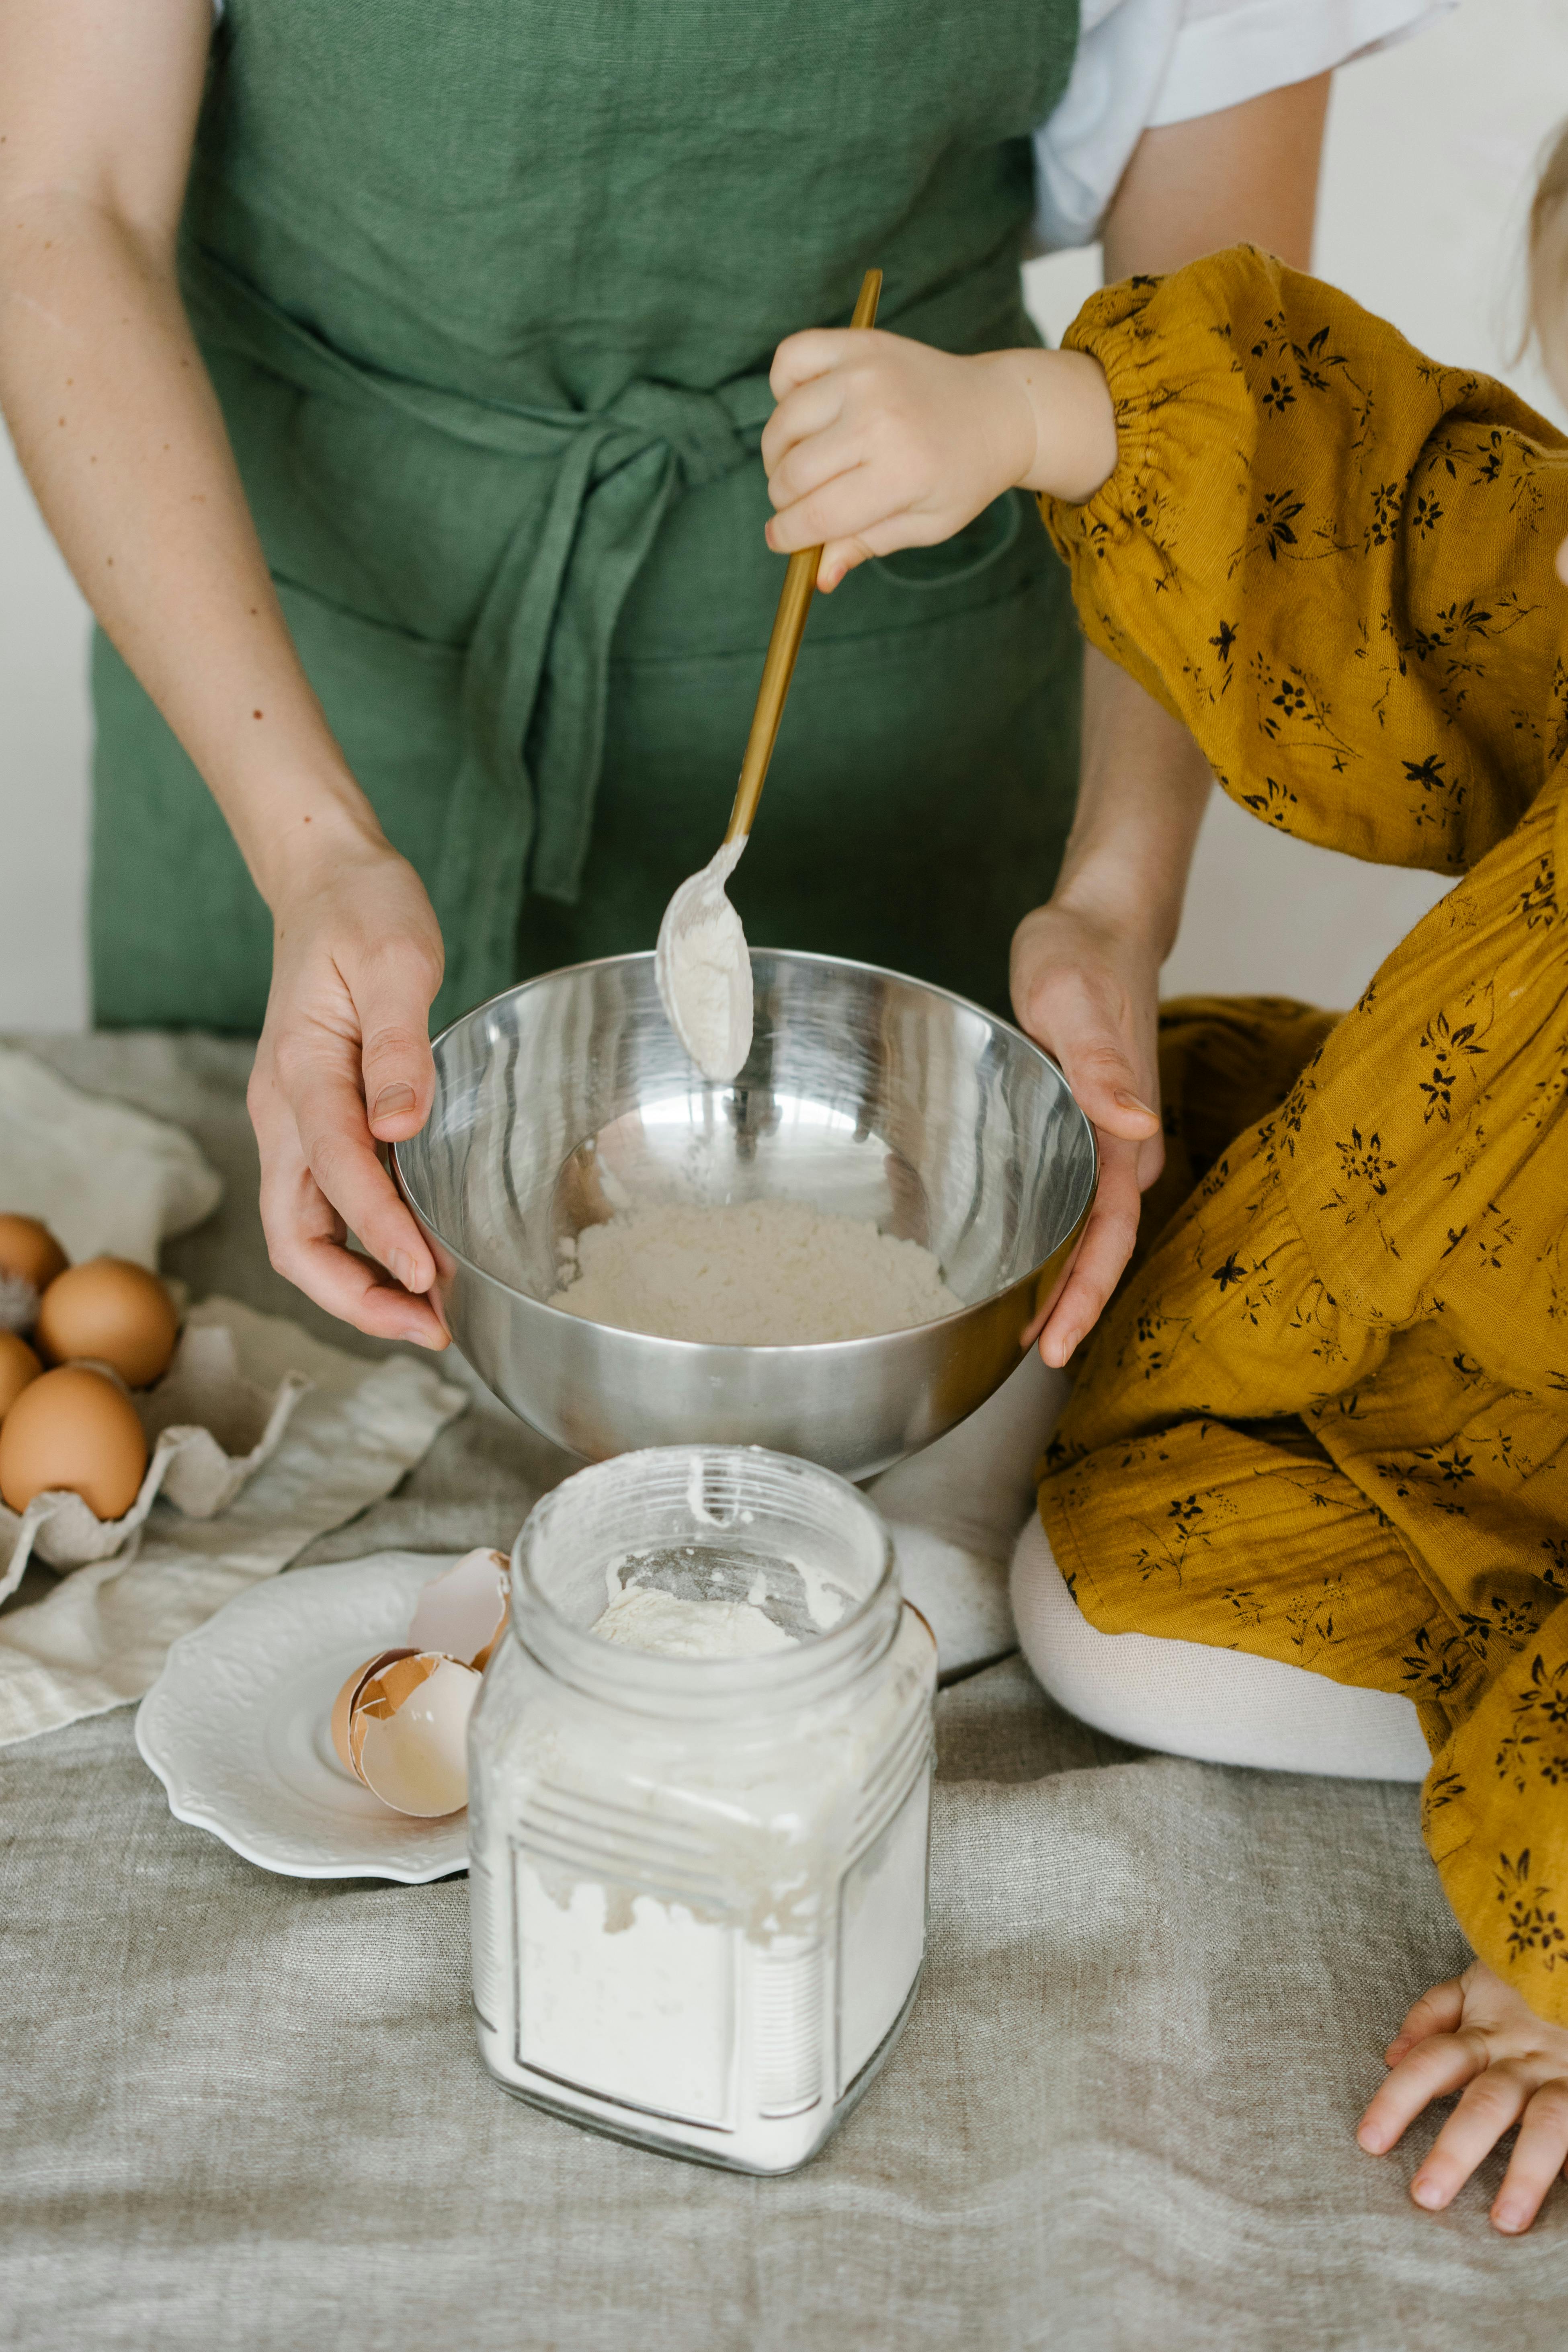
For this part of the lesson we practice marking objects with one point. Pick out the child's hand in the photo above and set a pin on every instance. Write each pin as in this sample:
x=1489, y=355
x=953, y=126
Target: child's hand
x=1478, y=2031
x=879, y=443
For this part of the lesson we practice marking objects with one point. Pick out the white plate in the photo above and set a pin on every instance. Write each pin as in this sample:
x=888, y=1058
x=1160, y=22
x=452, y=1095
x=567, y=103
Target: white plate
x=238, y=1724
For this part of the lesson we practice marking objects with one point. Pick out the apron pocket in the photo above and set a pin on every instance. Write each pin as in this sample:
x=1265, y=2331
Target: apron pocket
x=964, y=556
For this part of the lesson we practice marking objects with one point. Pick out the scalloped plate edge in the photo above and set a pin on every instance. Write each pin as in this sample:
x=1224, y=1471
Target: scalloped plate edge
x=443, y=1862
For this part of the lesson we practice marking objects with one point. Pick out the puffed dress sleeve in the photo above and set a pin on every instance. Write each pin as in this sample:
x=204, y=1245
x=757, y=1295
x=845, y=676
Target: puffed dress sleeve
x=1331, y=557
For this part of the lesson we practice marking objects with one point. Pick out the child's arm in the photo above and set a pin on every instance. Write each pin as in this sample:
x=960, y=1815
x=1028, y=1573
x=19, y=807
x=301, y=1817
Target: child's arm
x=1331, y=559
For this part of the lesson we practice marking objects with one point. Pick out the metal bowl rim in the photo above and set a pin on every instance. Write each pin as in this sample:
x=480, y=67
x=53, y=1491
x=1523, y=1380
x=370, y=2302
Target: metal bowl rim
x=732, y=1347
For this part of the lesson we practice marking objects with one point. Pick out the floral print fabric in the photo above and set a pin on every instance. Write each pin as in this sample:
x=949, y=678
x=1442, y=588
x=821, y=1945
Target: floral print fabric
x=1327, y=1419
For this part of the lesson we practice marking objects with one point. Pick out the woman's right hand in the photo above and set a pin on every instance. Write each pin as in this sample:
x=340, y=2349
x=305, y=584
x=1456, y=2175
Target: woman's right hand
x=344, y=1063
x=1088, y=990
x=1086, y=965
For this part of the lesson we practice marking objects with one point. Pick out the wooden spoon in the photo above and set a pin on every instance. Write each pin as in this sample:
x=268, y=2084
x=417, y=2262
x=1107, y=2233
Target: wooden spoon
x=702, y=965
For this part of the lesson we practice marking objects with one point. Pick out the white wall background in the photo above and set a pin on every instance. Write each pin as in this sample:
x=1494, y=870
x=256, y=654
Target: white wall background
x=1430, y=147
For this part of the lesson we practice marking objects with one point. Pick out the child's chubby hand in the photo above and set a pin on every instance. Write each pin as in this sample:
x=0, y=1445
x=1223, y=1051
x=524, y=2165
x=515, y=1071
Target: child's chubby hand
x=1476, y=2031
x=879, y=443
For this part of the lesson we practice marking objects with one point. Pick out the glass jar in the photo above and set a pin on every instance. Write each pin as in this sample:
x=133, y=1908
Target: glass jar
x=699, y=1883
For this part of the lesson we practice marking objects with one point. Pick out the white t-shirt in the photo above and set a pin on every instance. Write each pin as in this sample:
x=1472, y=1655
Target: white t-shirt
x=1144, y=63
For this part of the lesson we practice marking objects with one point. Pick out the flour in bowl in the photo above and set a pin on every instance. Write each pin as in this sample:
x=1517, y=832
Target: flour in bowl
x=754, y=1273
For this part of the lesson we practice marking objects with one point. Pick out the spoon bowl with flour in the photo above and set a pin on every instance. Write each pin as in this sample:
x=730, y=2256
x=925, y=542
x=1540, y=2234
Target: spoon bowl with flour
x=701, y=962
x=703, y=968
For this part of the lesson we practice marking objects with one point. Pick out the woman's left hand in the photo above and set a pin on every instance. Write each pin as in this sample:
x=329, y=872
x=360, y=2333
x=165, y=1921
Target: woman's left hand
x=344, y=1064
x=1474, y=2029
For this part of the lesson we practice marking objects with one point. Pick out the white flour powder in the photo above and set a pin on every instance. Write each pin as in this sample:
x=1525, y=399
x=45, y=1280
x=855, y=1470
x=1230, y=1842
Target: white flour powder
x=642, y=1617
x=754, y=1274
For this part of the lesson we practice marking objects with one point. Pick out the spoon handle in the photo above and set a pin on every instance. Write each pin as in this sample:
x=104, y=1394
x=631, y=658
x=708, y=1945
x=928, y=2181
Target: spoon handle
x=784, y=645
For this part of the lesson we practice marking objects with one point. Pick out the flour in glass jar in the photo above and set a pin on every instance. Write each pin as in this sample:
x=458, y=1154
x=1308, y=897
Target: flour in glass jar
x=630, y=1991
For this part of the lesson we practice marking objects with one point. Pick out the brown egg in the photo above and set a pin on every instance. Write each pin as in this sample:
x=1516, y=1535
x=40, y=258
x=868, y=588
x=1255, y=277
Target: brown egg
x=18, y=1365
x=29, y=1251
x=112, y=1312
x=74, y=1429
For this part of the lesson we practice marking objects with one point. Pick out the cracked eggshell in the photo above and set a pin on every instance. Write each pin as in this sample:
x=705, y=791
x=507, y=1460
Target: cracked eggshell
x=462, y=1612
x=344, y=1705
x=409, y=1726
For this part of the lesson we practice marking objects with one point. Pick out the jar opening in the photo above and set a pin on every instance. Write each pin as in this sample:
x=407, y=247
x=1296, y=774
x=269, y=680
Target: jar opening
x=700, y=1568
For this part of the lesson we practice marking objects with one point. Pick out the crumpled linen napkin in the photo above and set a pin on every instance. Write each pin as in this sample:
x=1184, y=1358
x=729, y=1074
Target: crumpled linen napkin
x=105, y=1180
x=102, y=1637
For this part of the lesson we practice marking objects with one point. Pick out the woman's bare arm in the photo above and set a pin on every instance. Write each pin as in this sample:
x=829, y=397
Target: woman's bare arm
x=118, y=428
x=1086, y=964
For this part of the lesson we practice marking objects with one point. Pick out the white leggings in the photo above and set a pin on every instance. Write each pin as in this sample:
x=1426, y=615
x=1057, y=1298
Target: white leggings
x=1187, y=1699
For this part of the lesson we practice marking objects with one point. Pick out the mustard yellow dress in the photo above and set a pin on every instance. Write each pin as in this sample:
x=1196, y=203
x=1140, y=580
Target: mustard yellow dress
x=1327, y=1420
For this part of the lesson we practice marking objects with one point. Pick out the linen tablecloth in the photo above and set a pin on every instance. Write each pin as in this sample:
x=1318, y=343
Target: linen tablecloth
x=245, y=2111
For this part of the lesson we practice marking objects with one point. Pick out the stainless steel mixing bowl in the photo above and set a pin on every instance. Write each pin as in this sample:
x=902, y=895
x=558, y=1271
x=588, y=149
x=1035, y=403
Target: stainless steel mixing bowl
x=865, y=1092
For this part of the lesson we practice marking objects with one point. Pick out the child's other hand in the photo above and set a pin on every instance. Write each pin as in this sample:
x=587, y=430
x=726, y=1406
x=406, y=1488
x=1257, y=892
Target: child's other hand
x=879, y=443
x=1474, y=2029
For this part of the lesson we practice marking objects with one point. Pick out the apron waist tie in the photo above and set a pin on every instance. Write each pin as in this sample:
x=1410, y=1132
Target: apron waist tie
x=535, y=675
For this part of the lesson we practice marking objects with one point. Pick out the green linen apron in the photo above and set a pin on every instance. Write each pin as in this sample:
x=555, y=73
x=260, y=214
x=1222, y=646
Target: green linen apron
x=490, y=294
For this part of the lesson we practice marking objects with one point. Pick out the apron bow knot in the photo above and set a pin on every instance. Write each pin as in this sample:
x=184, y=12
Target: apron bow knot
x=697, y=427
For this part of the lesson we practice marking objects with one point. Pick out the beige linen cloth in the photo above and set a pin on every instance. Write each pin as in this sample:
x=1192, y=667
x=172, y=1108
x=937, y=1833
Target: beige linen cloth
x=107, y=1180
x=246, y=2111
x=263, y=1436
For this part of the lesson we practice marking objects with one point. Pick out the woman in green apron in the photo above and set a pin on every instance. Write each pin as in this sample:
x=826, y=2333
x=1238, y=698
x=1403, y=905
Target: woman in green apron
x=410, y=454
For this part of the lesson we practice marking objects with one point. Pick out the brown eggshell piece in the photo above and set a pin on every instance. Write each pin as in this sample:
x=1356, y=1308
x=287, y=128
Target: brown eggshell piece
x=18, y=1366
x=343, y=1705
x=460, y=1612
x=408, y=1734
x=29, y=1251
x=112, y=1312
x=482, y=1658
x=73, y=1429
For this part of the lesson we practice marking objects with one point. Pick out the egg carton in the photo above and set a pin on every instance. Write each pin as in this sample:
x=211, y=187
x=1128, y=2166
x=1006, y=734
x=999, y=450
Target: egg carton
x=210, y=1428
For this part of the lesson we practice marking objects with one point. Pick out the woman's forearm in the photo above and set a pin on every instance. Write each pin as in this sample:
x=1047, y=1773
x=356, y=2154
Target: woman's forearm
x=118, y=428
x=1143, y=788
x=1143, y=782
x=1250, y=172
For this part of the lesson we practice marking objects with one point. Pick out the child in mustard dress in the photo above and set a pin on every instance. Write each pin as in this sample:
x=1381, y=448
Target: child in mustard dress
x=1326, y=1417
